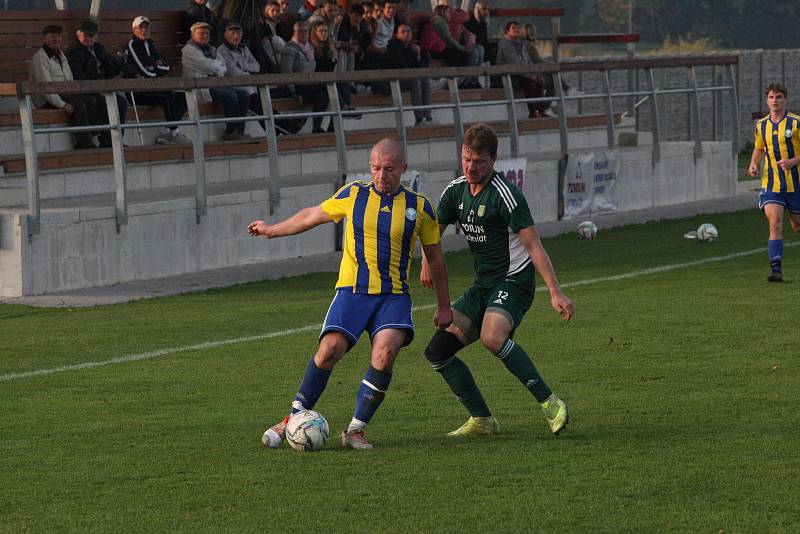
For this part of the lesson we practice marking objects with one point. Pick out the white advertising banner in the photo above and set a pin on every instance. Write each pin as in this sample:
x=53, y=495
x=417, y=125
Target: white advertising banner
x=513, y=170
x=589, y=183
x=409, y=179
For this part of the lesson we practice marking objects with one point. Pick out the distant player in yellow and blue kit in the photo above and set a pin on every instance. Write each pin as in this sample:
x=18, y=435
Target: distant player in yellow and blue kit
x=778, y=138
x=384, y=222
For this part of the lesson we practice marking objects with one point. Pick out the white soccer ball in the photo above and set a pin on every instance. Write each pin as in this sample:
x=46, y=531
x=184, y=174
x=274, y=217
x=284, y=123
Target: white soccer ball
x=707, y=232
x=307, y=430
x=587, y=230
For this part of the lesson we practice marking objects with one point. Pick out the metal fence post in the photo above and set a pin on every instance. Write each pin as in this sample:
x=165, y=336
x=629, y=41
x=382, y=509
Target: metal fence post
x=31, y=163
x=562, y=114
x=338, y=126
x=272, y=149
x=118, y=151
x=609, y=110
x=654, y=118
x=556, y=26
x=734, y=109
x=199, y=156
x=458, y=124
x=397, y=102
x=508, y=87
x=696, y=130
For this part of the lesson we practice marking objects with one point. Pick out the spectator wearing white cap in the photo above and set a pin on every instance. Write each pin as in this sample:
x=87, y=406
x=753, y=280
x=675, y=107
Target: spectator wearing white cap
x=200, y=60
x=149, y=63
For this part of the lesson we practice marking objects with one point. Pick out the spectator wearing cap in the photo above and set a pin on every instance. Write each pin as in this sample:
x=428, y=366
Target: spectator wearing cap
x=88, y=60
x=146, y=62
x=200, y=60
x=239, y=61
x=198, y=11
x=49, y=64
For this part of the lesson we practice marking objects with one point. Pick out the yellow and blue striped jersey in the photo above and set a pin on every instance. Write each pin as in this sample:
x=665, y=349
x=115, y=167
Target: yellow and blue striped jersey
x=380, y=236
x=780, y=140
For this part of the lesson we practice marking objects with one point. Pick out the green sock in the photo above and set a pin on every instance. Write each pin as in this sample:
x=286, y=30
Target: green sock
x=459, y=378
x=519, y=363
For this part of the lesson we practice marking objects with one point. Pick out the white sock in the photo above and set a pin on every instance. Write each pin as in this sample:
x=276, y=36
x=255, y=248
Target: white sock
x=355, y=424
x=175, y=132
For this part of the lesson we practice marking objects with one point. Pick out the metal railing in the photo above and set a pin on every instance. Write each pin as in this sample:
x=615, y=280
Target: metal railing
x=190, y=86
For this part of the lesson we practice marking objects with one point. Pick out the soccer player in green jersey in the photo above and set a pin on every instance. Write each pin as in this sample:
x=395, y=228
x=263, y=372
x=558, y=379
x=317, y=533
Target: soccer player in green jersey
x=506, y=248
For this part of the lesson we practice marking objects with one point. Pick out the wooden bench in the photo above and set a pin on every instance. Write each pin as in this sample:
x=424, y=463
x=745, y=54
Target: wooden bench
x=21, y=34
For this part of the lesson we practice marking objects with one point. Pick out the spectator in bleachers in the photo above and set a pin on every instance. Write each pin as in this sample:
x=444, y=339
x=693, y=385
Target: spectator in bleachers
x=200, y=59
x=384, y=30
x=368, y=22
x=478, y=25
x=401, y=53
x=325, y=57
x=298, y=56
x=88, y=60
x=285, y=26
x=344, y=59
x=146, y=62
x=307, y=9
x=271, y=43
x=239, y=61
x=549, y=84
x=511, y=51
x=438, y=42
x=475, y=52
x=198, y=11
x=50, y=65
x=352, y=37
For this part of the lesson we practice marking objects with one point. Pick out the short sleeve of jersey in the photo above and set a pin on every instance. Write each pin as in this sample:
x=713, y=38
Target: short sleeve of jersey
x=338, y=206
x=759, y=142
x=519, y=215
x=447, y=213
x=429, y=227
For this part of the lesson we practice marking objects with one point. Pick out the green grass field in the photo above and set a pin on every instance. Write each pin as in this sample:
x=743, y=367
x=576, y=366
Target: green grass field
x=682, y=384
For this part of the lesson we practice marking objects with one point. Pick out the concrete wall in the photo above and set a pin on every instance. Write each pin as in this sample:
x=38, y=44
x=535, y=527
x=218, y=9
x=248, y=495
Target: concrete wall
x=80, y=248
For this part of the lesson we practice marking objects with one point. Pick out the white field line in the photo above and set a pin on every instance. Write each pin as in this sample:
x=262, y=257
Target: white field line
x=281, y=333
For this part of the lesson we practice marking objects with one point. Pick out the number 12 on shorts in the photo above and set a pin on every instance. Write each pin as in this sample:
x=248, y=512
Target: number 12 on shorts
x=501, y=297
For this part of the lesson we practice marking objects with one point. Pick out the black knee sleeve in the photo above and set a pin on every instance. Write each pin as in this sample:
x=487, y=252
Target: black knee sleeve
x=443, y=345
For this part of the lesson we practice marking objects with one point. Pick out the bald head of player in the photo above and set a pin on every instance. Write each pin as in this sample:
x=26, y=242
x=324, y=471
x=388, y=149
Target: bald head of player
x=387, y=162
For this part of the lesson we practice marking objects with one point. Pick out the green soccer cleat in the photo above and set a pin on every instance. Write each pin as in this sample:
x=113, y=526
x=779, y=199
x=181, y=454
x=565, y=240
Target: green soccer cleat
x=477, y=426
x=555, y=410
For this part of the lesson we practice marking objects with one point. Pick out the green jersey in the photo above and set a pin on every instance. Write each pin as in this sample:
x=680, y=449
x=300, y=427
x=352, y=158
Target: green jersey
x=490, y=221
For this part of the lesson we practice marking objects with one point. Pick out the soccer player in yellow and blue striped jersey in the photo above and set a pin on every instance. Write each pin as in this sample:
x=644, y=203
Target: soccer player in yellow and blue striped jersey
x=778, y=138
x=384, y=222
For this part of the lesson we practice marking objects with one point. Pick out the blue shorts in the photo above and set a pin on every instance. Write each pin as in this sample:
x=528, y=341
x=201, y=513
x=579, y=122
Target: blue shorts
x=353, y=313
x=787, y=200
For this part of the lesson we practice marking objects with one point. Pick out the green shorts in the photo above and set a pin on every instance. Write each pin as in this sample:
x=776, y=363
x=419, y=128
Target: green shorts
x=511, y=299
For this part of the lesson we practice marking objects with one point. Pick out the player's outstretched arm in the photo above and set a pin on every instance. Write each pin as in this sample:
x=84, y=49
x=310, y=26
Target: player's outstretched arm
x=425, y=277
x=437, y=270
x=561, y=303
x=298, y=223
x=755, y=161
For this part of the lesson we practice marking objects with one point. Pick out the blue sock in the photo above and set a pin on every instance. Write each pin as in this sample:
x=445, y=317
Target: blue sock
x=775, y=251
x=370, y=394
x=311, y=388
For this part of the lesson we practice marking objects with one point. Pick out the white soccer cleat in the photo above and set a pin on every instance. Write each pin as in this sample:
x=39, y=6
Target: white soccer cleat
x=274, y=435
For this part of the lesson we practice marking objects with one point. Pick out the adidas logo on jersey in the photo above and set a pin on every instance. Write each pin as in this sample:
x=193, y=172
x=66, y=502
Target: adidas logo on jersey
x=386, y=209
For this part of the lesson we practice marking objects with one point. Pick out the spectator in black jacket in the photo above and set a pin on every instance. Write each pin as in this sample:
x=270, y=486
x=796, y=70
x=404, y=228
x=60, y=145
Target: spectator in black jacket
x=198, y=11
x=146, y=62
x=88, y=60
x=402, y=54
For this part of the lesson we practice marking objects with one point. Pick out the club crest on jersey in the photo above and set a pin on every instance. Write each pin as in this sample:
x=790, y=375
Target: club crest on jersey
x=411, y=214
x=481, y=210
x=788, y=132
